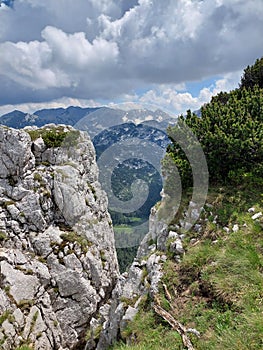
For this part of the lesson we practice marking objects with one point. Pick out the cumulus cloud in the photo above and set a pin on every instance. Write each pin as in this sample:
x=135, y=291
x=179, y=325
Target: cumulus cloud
x=61, y=60
x=172, y=98
x=75, y=51
x=107, y=49
x=27, y=64
x=58, y=103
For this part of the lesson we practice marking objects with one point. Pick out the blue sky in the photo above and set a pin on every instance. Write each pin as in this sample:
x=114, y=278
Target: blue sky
x=9, y=3
x=170, y=54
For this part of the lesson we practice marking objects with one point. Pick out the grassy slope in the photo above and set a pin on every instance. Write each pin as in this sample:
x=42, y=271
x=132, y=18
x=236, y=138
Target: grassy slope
x=218, y=286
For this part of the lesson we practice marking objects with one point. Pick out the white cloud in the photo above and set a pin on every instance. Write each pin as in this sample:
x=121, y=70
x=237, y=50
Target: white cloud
x=76, y=51
x=105, y=49
x=27, y=64
x=168, y=98
x=59, y=61
x=63, y=102
x=171, y=98
x=229, y=82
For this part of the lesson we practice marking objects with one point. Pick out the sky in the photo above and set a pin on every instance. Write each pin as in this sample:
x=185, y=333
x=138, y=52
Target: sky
x=172, y=54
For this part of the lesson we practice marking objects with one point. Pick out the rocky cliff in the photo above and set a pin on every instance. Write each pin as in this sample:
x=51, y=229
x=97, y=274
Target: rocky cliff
x=141, y=282
x=58, y=262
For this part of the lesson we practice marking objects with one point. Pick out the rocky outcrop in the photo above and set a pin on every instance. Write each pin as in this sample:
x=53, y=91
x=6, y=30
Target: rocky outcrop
x=142, y=280
x=158, y=260
x=58, y=262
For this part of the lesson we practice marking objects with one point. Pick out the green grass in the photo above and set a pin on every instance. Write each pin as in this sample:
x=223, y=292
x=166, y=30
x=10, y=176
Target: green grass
x=218, y=286
x=4, y=316
x=73, y=237
x=123, y=229
x=224, y=279
x=148, y=332
x=3, y=236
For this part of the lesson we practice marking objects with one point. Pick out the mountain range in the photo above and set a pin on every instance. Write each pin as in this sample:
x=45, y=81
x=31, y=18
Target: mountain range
x=92, y=119
x=129, y=147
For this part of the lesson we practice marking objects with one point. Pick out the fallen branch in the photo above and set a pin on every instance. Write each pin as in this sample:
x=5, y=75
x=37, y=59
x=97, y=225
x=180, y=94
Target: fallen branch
x=175, y=325
x=168, y=295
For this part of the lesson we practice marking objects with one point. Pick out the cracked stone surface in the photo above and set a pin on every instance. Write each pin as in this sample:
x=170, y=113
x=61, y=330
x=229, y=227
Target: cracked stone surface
x=142, y=278
x=54, y=230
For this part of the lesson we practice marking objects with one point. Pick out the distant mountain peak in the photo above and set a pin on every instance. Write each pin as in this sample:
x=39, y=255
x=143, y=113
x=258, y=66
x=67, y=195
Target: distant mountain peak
x=92, y=119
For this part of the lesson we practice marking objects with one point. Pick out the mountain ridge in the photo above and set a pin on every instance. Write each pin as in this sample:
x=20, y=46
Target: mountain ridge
x=92, y=119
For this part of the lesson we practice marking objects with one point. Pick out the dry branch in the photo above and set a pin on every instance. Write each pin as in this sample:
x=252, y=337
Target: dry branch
x=175, y=325
x=168, y=295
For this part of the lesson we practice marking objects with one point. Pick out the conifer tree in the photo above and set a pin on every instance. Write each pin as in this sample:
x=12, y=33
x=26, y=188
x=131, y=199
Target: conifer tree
x=230, y=131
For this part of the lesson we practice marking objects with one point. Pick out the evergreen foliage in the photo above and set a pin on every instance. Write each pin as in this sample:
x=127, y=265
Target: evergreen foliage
x=253, y=75
x=126, y=257
x=231, y=134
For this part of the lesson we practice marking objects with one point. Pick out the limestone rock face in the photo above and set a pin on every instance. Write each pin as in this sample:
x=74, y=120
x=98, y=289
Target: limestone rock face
x=58, y=262
x=142, y=279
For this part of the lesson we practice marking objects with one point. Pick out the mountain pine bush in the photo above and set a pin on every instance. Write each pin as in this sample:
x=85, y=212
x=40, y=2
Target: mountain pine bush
x=230, y=131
